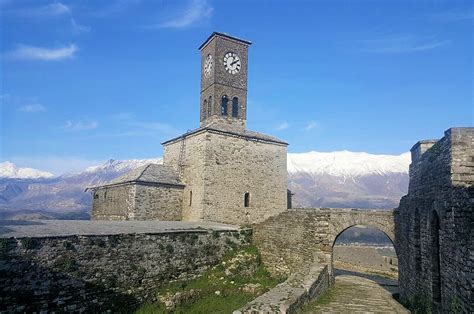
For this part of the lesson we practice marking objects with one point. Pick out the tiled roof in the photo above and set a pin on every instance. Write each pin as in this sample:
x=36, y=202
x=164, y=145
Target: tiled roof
x=151, y=173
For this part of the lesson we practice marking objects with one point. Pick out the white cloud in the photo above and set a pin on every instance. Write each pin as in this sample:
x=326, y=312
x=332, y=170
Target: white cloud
x=282, y=126
x=311, y=125
x=78, y=28
x=196, y=11
x=402, y=44
x=81, y=125
x=25, y=52
x=32, y=108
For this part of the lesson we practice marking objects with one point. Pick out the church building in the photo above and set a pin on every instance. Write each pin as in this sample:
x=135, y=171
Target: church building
x=218, y=172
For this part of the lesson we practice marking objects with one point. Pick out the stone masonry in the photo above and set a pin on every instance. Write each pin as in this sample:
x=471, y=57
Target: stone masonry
x=435, y=223
x=96, y=266
x=224, y=172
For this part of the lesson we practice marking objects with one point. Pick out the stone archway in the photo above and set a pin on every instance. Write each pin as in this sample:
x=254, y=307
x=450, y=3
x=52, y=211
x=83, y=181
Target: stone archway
x=334, y=240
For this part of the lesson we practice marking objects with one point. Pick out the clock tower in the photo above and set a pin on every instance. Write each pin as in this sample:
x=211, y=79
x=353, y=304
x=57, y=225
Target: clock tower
x=224, y=81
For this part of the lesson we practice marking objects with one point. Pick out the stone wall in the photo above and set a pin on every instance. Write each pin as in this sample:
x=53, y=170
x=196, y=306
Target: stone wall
x=157, y=202
x=220, y=168
x=137, y=201
x=100, y=273
x=113, y=203
x=236, y=166
x=192, y=172
x=434, y=223
x=297, y=238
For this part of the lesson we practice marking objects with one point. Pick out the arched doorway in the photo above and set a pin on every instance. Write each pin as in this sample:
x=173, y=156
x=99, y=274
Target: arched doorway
x=435, y=259
x=364, y=249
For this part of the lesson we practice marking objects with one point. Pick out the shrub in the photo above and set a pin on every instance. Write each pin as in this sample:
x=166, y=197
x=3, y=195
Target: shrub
x=169, y=249
x=29, y=243
x=3, y=245
x=68, y=245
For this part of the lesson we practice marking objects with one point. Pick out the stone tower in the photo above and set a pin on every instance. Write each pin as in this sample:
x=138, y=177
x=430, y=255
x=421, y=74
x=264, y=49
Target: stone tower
x=224, y=80
x=220, y=171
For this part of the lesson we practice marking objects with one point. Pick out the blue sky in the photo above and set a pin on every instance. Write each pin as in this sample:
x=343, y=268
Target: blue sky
x=85, y=81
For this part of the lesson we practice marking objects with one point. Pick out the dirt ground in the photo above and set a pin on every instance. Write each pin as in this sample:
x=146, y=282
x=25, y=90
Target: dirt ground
x=366, y=259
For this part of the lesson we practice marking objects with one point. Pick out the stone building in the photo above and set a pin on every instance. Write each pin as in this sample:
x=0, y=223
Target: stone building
x=435, y=221
x=148, y=192
x=226, y=173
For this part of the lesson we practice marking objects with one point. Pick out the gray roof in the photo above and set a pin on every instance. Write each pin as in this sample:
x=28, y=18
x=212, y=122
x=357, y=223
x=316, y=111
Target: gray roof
x=231, y=131
x=150, y=173
x=225, y=36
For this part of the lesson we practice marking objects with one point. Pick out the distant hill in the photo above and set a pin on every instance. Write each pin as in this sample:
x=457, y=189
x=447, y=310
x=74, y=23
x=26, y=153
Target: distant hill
x=348, y=179
x=336, y=179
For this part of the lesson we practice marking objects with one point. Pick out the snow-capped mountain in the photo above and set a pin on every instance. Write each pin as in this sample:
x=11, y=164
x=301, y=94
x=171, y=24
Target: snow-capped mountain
x=337, y=179
x=62, y=196
x=10, y=170
x=348, y=164
x=347, y=179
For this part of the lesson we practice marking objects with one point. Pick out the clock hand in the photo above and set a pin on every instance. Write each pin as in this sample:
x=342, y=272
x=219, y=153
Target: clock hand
x=234, y=62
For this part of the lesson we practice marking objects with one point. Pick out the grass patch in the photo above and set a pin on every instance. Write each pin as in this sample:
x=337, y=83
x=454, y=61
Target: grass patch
x=238, y=279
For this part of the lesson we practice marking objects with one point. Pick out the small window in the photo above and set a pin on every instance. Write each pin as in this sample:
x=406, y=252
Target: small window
x=235, y=107
x=205, y=107
x=190, y=198
x=224, y=102
x=246, y=199
x=96, y=195
x=209, y=107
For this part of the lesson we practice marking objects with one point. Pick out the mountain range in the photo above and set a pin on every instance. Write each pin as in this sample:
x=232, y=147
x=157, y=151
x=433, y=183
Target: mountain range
x=335, y=179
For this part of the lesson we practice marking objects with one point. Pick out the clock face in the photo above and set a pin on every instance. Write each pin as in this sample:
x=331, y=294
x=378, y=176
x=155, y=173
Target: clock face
x=232, y=63
x=208, y=65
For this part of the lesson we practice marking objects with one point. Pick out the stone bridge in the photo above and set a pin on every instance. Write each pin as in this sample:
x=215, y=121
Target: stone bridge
x=299, y=243
x=300, y=237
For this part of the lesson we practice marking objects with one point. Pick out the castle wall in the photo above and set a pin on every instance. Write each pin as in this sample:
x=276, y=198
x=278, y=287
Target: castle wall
x=157, y=202
x=113, y=203
x=441, y=180
x=235, y=166
x=97, y=273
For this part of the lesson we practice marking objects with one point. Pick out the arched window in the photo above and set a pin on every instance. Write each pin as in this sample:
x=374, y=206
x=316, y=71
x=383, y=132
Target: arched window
x=209, y=108
x=205, y=108
x=235, y=107
x=190, y=198
x=224, y=102
x=246, y=199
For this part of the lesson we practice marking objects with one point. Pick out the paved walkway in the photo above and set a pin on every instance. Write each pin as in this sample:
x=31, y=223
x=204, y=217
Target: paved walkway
x=354, y=294
x=57, y=228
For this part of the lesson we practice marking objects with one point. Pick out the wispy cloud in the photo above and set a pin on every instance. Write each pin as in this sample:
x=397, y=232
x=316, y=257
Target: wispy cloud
x=452, y=16
x=81, y=125
x=78, y=28
x=32, y=108
x=25, y=52
x=311, y=125
x=129, y=120
x=196, y=12
x=402, y=44
x=51, y=9
x=282, y=126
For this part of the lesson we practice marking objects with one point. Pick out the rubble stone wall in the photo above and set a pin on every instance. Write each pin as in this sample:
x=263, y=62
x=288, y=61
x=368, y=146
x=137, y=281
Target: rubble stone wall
x=100, y=273
x=113, y=203
x=434, y=224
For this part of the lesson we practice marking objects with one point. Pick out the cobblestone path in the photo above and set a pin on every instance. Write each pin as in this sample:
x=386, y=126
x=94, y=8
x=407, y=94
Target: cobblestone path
x=353, y=294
